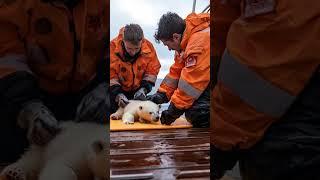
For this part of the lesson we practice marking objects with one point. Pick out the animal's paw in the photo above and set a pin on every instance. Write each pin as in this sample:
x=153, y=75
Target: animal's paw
x=13, y=172
x=126, y=121
x=115, y=116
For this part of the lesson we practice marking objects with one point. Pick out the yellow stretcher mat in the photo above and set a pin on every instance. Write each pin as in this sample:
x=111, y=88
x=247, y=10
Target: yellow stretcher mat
x=118, y=125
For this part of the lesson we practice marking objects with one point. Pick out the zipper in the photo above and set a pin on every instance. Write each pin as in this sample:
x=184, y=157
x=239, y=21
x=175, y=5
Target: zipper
x=134, y=75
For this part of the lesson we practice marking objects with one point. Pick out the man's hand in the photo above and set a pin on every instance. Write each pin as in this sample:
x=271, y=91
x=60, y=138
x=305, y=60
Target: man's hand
x=170, y=115
x=122, y=100
x=40, y=123
x=158, y=98
x=140, y=94
x=93, y=107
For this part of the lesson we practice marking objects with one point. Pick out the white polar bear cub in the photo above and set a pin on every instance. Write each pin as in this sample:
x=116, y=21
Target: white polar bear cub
x=79, y=152
x=143, y=111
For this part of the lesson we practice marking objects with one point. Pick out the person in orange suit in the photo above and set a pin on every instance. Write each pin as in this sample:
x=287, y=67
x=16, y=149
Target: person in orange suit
x=52, y=68
x=265, y=104
x=134, y=66
x=187, y=83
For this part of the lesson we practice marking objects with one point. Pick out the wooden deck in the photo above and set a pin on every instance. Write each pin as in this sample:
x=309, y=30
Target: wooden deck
x=160, y=154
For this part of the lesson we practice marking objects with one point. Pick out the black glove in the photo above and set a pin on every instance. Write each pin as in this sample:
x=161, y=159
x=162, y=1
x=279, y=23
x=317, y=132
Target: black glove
x=221, y=161
x=93, y=107
x=140, y=94
x=122, y=100
x=158, y=98
x=40, y=123
x=170, y=115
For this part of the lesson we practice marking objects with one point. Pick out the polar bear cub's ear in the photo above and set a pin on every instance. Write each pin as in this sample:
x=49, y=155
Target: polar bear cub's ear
x=98, y=159
x=98, y=146
x=140, y=107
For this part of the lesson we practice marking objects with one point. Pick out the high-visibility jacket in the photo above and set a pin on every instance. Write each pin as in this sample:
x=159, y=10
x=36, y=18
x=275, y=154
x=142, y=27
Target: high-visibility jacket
x=130, y=75
x=189, y=76
x=59, y=46
x=272, y=51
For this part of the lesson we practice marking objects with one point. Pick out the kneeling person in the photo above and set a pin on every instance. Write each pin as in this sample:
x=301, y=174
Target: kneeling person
x=186, y=85
x=134, y=66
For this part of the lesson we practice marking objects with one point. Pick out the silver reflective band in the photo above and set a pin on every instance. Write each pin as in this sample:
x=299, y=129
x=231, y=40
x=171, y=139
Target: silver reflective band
x=149, y=77
x=114, y=82
x=206, y=30
x=17, y=62
x=170, y=82
x=252, y=89
x=188, y=89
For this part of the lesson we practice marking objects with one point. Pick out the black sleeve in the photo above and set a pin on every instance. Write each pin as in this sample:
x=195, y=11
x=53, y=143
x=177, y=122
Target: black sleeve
x=147, y=84
x=17, y=89
x=114, y=91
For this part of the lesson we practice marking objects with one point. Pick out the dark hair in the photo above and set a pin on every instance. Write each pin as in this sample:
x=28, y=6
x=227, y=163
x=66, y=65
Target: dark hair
x=133, y=33
x=169, y=24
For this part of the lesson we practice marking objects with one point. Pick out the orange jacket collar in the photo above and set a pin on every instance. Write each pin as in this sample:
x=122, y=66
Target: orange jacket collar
x=194, y=23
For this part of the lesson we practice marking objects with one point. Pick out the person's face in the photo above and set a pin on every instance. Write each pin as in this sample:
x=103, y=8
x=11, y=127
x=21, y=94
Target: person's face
x=131, y=48
x=174, y=43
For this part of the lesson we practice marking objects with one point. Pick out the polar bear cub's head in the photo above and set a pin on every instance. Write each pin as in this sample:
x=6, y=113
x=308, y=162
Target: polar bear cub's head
x=149, y=111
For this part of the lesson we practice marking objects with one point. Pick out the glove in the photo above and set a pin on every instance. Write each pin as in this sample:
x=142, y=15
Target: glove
x=221, y=161
x=170, y=115
x=40, y=123
x=122, y=100
x=158, y=98
x=140, y=94
x=93, y=106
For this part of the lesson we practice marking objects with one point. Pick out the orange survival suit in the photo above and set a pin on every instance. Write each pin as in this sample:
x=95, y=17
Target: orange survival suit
x=61, y=48
x=50, y=55
x=270, y=56
x=127, y=76
x=189, y=76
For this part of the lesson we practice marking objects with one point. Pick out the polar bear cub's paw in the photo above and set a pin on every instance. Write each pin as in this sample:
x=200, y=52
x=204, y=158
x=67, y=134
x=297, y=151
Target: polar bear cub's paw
x=116, y=116
x=14, y=172
x=128, y=118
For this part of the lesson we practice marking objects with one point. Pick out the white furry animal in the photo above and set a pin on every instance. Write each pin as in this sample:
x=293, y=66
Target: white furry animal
x=143, y=111
x=79, y=152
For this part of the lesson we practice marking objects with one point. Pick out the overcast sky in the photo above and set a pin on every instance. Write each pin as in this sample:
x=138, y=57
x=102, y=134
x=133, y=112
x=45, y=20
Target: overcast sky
x=147, y=13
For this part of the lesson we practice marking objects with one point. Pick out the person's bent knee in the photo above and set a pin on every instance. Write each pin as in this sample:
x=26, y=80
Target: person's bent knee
x=199, y=118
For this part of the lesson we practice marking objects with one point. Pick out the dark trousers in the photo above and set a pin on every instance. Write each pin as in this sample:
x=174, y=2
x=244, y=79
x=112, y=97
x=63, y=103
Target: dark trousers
x=290, y=148
x=199, y=113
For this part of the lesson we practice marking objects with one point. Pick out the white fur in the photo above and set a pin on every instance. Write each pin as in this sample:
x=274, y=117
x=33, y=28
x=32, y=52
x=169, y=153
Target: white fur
x=143, y=111
x=78, y=152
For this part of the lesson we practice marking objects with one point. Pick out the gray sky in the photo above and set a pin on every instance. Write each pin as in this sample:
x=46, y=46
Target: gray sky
x=147, y=13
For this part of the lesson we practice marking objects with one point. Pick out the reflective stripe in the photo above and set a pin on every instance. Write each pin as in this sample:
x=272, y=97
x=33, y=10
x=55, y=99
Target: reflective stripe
x=170, y=82
x=114, y=82
x=17, y=62
x=206, y=30
x=149, y=77
x=188, y=89
x=252, y=89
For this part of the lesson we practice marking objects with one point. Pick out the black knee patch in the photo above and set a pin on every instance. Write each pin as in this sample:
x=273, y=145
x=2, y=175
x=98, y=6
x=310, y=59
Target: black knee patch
x=199, y=116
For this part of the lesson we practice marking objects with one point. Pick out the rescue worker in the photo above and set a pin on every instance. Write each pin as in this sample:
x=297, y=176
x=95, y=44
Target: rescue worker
x=266, y=109
x=52, y=68
x=187, y=83
x=134, y=66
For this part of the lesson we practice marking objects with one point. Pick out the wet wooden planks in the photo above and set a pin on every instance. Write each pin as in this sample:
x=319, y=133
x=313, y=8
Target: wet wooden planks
x=161, y=154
